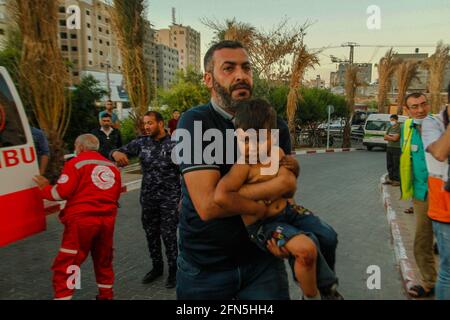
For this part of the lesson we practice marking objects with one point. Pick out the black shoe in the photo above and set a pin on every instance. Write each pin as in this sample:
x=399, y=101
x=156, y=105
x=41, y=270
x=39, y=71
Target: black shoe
x=331, y=293
x=154, y=274
x=171, y=279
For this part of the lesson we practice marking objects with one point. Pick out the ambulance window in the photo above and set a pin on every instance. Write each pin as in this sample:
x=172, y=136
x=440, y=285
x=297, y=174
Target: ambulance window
x=11, y=128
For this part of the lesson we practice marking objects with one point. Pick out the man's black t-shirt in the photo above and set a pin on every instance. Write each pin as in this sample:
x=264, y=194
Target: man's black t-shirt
x=220, y=243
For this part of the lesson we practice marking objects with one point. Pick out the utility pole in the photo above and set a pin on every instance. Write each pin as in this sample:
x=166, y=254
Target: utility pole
x=352, y=46
x=108, y=80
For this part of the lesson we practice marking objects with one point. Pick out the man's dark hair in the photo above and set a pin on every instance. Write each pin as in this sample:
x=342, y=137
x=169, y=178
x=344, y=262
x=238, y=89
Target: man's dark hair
x=158, y=116
x=394, y=116
x=226, y=44
x=255, y=114
x=106, y=115
x=414, y=95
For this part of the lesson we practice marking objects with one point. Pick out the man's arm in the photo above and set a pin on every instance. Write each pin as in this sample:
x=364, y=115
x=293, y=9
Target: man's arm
x=227, y=193
x=436, y=142
x=283, y=185
x=43, y=163
x=121, y=155
x=201, y=185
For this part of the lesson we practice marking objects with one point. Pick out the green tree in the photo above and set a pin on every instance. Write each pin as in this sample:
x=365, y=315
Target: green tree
x=84, y=114
x=186, y=92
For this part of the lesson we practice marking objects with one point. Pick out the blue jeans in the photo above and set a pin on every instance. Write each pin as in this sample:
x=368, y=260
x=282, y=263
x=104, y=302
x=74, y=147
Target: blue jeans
x=265, y=279
x=307, y=222
x=263, y=231
x=442, y=234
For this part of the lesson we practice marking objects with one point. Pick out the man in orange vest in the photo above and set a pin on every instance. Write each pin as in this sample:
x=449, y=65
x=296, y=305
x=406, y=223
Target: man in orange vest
x=436, y=140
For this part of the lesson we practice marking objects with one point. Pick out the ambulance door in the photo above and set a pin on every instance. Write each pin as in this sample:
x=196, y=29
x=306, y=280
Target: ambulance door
x=21, y=206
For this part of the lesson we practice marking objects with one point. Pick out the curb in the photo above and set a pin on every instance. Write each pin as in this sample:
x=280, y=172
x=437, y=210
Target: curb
x=406, y=271
x=328, y=151
x=51, y=207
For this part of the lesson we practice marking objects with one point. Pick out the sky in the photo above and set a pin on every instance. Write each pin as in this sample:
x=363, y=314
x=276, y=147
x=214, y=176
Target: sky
x=404, y=24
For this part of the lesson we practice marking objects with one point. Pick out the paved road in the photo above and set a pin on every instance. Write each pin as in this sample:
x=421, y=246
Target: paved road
x=342, y=188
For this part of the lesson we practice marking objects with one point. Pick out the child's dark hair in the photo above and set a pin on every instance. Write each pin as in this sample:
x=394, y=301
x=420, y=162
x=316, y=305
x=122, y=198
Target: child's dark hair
x=255, y=114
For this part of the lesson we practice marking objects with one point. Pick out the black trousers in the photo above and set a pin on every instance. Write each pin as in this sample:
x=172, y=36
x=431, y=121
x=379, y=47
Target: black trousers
x=393, y=163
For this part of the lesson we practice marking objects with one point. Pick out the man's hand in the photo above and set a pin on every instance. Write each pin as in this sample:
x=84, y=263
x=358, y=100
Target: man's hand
x=121, y=158
x=290, y=163
x=41, y=181
x=278, y=252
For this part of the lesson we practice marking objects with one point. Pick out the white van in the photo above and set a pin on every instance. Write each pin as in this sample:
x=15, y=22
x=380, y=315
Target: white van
x=21, y=205
x=375, y=129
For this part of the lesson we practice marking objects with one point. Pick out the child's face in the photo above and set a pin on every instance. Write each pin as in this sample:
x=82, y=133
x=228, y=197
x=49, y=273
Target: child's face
x=253, y=148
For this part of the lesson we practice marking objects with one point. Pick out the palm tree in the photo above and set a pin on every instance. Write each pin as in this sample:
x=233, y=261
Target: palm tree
x=351, y=85
x=129, y=27
x=303, y=60
x=436, y=65
x=43, y=73
x=386, y=68
x=405, y=73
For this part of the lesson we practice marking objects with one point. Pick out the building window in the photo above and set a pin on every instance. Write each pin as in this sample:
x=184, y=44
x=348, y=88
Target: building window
x=63, y=35
x=101, y=53
x=88, y=13
x=64, y=48
x=62, y=9
x=90, y=62
x=76, y=73
x=107, y=31
x=100, y=29
x=62, y=23
x=74, y=48
x=73, y=36
x=89, y=25
x=102, y=65
x=99, y=17
x=106, y=20
x=101, y=41
x=89, y=38
x=107, y=43
x=90, y=50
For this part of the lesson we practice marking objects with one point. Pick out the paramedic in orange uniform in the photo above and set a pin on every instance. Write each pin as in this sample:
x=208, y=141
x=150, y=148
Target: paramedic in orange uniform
x=91, y=185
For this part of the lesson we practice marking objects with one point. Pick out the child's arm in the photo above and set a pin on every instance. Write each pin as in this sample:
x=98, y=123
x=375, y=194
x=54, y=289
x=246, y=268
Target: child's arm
x=227, y=197
x=284, y=185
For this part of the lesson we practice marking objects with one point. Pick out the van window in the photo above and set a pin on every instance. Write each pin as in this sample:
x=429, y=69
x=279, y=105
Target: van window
x=377, y=125
x=11, y=129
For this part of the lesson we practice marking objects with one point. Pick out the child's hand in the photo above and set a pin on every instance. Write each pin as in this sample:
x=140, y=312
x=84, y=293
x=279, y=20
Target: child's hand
x=279, y=252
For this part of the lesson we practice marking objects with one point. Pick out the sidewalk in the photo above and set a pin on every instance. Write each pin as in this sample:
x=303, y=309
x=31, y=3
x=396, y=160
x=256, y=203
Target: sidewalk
x=402, y=230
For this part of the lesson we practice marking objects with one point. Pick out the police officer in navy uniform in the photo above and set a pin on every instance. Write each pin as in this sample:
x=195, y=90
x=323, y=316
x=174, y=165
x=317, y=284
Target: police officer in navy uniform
x=160, y=193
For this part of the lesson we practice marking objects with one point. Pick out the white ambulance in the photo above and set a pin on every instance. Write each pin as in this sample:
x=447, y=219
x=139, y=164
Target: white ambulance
x=21, y=206
x=375, y=129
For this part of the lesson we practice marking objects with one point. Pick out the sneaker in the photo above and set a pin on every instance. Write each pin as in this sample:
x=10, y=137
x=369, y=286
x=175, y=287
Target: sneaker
x=331, y=293
x=154, y=274
x=171, y=279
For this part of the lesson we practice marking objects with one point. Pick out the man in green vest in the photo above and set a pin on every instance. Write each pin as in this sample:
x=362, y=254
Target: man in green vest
x=414, y=184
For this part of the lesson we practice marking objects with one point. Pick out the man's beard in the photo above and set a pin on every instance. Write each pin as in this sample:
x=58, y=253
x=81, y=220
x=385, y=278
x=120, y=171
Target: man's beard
x=226, y=100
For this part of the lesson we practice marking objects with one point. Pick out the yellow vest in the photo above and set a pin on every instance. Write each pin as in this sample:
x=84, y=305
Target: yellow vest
x=405, y=163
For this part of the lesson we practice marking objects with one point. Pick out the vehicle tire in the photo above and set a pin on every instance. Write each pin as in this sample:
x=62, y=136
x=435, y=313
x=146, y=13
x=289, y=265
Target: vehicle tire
x=369, y=148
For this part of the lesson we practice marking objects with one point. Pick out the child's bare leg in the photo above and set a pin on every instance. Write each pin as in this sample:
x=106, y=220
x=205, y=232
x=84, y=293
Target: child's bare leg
x=305, y=252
